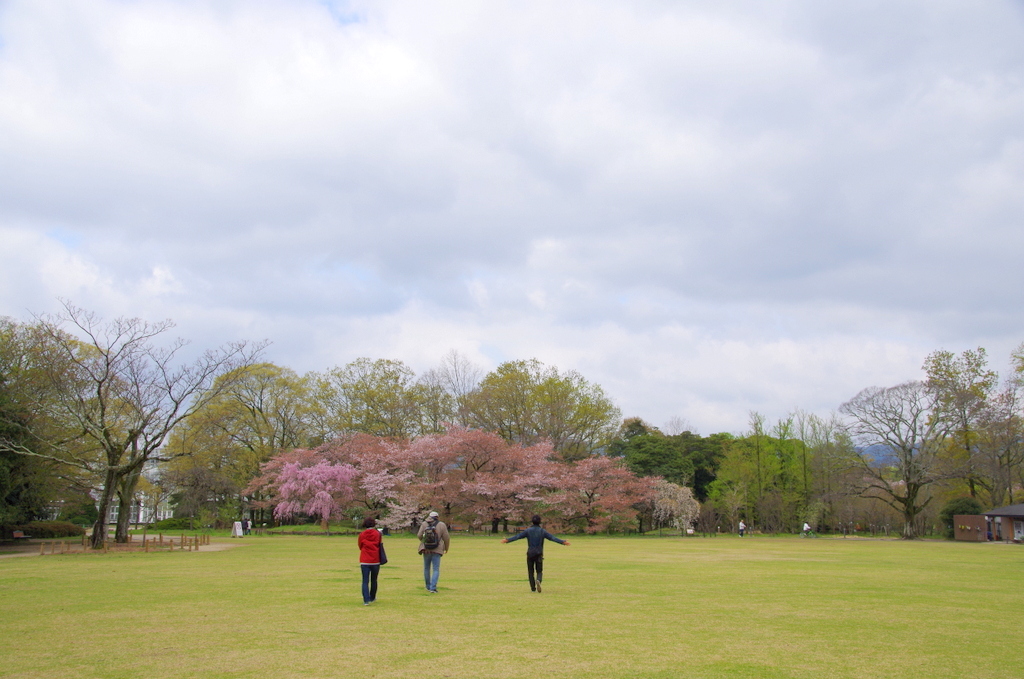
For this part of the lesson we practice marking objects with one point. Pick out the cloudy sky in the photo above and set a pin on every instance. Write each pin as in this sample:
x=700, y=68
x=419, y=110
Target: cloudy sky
x=707, y=208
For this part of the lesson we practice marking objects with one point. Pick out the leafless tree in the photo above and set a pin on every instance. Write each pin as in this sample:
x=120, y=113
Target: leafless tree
x=900, y=436
x=117, y=395
x=678, y=425
x=708, y=519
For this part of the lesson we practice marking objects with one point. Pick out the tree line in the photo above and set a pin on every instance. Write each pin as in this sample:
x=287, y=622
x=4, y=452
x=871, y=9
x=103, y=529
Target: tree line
x=95, y=412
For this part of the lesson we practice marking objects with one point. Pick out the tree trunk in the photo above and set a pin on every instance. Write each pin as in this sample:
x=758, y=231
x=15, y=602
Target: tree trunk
x=910, y=512
x=125, y=492
x=99, y=529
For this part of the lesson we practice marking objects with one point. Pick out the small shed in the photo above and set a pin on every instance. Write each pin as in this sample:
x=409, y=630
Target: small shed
x=970, y=527
x=1007, y=523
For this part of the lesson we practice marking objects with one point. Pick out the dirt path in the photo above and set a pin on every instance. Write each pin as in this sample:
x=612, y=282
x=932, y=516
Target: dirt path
x=12, y=551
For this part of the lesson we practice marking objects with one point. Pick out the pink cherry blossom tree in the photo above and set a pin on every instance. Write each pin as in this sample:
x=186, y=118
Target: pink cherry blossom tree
x=438, y=461
x=599, y=493
x=379, y=477
x=320, y=490
x=477, y=476
x=466, y=474
x=385, y=484
x=513, y=484
x=263, y=490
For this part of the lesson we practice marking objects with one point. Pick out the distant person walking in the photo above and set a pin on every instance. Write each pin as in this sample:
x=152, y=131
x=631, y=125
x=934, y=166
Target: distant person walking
x=743, y=528
x=535, y=537
x=434, y=542
x=369, y=559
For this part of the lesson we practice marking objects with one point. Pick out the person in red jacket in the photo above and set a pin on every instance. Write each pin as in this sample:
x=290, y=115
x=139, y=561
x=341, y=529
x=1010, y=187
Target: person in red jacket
x=369, y=559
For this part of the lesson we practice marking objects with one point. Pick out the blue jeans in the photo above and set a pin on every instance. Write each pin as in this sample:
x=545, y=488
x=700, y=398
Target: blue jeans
x=431, y=559
x=370, y=572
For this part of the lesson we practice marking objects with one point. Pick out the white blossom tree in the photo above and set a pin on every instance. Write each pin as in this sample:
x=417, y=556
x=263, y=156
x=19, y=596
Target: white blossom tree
x=674, y=504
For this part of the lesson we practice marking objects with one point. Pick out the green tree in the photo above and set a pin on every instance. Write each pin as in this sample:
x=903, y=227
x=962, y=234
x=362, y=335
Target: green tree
x=29, y=483
x=655, y=454
x=121, y=395
x=705, y=454
x=1001, y=429
x=630, y=428
x=378, y=397
x=962, y=386
x=526, y=402
x=25, y=482
x=756, y=437
x=832, y=467
x=258, y=411
x=693, y=460
x=958, y=505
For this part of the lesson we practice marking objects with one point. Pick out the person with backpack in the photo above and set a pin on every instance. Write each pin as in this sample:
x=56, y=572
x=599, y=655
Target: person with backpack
x=434, y=541
x=535, y=537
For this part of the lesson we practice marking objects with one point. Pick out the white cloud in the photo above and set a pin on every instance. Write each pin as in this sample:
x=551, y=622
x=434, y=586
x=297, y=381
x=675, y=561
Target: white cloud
x=708, y=209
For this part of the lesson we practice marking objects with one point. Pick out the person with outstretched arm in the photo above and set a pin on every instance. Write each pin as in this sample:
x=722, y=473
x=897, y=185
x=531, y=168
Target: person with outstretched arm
x=535, y=537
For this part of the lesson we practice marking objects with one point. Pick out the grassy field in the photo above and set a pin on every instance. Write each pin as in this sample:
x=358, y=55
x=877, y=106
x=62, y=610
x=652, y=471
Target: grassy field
x=286, y=606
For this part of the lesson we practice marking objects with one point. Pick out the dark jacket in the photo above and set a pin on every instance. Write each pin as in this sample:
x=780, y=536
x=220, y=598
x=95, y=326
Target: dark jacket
x=535, y=537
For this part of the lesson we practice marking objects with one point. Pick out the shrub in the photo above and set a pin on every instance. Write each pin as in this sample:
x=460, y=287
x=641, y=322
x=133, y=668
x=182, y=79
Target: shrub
x=958, y=505
x=45, y=530
x=177, y=523
x=80, y=513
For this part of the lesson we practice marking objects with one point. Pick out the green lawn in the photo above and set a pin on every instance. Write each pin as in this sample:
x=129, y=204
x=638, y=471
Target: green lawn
x=286, y=606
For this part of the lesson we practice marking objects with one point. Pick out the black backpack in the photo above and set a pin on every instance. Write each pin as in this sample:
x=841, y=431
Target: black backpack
x=429, y=537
